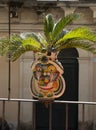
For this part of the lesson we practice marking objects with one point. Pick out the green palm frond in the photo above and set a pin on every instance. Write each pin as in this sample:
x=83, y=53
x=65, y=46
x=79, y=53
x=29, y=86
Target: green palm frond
x=43, y=41
x=85, y=45
x=4, y=46
x=16, y=46
x=80, y=33
x=60, y=25
x=55, y=36
x=32, y=42
x=62, y=34
x=32, y=35
x=8, y=46
x=15, y=39
x=28, y=44
x=21, y=50
x=48, y=27
x=15, y=42
x=37, y=37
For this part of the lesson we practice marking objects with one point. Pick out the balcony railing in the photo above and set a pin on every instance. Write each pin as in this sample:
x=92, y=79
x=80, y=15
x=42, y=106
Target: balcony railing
x=19, y=101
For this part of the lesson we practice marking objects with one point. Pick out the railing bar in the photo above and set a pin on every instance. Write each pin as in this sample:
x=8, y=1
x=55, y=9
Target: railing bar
x=66, y=116
x=9, y=62
x=18, y=124
x=3, y=115
x=83, y=109
x=50, y=116
x=75, y=102
x=55, y=101
x=34, y=116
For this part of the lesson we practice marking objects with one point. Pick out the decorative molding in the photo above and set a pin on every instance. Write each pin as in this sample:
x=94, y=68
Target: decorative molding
x=93, y=8
x=68, y=10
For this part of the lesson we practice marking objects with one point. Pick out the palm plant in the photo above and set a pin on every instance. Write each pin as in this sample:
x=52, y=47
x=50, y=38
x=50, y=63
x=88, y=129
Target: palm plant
x=47, y=73
x=54, y=37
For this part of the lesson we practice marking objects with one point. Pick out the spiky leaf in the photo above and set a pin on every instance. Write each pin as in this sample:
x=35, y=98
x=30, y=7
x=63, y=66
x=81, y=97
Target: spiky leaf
x=64, y=21
x=48, y=27
x=85, y=45
x=30, y=35
x=32, y=42
x=21, y=50
x=80, y=33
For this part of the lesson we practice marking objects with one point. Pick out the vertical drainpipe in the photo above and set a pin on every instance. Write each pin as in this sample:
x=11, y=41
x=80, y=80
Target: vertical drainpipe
x=9, y=63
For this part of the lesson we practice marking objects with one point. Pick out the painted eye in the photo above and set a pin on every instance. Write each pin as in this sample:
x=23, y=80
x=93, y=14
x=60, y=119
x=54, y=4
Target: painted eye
x=49, y=53
x=44, y=59
x=44, y=73
x=48, y=74
x=51, y=68
x=39, y=69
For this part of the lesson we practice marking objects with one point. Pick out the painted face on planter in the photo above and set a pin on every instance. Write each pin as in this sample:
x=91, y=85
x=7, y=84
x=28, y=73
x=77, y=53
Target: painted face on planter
x=45, y=74
x=47, y=78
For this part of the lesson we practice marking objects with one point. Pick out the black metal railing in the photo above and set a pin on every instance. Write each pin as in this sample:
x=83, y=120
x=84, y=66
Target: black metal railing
x=19, y=101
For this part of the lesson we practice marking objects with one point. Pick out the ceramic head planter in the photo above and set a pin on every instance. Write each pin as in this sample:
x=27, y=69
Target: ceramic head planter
x=47, y=82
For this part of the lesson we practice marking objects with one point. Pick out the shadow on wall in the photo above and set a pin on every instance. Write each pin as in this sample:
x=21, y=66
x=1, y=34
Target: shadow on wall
x=4, y=124
x=87, y=126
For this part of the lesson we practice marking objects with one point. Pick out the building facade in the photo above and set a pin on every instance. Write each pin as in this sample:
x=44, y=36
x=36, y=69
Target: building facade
x=29, y=17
